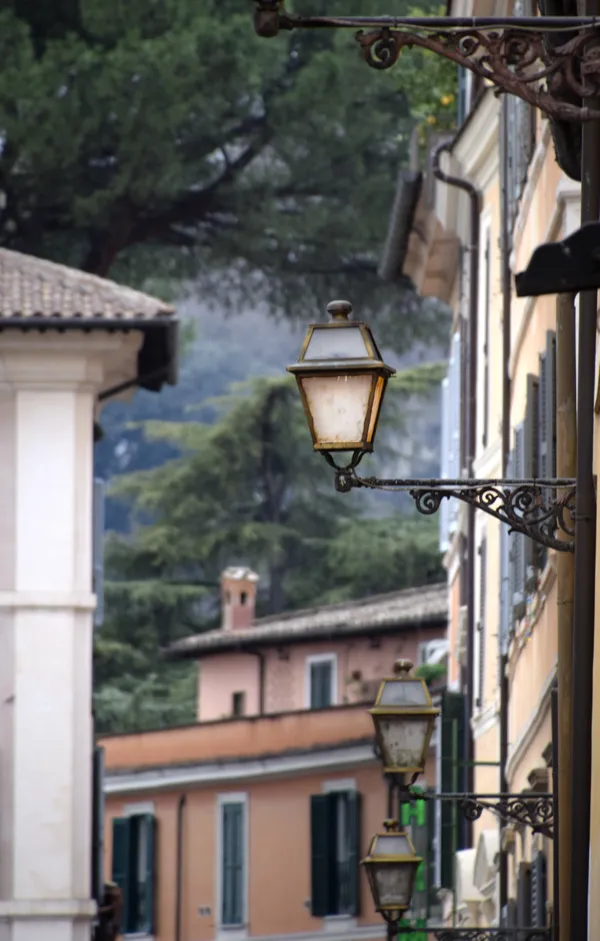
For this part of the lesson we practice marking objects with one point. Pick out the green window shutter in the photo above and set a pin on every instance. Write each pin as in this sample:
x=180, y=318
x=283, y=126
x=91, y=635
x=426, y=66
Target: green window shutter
x=321, y=679
x=354, y=830
x=121, y=867
x=148, y=911
x=322, y=837
x=524, y=896
x=481, y=623
x=452, y=773
x=232, y=901
x=518, y=539
x=539, y=891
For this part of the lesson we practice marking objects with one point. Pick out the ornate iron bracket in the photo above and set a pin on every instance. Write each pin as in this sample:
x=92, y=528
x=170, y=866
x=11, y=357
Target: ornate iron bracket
x=514, y=54
x=533, y=810
x=544, y=510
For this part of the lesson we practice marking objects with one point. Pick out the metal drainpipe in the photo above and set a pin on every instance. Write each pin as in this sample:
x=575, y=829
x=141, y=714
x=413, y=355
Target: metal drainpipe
x=474, y=201
x=179, y=866
x=261, y=680
x=585, y=554
x=505, y=248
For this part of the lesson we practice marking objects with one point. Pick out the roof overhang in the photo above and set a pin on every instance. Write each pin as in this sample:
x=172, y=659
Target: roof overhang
x=240, y=642
x=39, y=295
x=417, y=246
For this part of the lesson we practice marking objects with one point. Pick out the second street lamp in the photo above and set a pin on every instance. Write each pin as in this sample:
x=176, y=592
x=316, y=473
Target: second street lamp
x=391, y=867
x=404, y=717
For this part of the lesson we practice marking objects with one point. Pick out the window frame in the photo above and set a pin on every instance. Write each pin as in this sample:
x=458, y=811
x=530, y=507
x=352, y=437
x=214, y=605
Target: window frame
x=231, y=931
x=315, y=660
x=135, y=812
x=332, y=791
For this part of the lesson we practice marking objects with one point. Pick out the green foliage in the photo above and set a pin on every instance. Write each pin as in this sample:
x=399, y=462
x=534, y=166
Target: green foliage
x=246, y=489
x=163, y=138
x=431, y=672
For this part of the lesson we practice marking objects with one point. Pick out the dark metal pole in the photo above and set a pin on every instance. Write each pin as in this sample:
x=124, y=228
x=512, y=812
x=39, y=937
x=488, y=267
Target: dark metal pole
x=179, y=867
x=555, y=798
x=505, y=247
x=585, y=556
x=474, y=205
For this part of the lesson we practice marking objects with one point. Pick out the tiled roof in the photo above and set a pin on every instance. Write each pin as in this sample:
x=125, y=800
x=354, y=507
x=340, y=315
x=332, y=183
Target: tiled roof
x=411, y=608
x=32, y=287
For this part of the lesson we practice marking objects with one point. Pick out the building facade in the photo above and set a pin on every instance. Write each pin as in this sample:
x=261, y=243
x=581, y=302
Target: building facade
x=502, y=587
x=251, y=823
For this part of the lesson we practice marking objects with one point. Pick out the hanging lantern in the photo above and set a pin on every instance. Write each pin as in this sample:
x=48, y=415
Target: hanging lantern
x=342, y=379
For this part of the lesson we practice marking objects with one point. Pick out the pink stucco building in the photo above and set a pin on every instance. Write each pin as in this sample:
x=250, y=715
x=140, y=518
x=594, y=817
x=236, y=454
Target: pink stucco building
x=329, y=656
x=250, y=824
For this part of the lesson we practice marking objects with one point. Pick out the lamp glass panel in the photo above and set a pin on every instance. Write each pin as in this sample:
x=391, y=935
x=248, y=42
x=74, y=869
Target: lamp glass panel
x=379, y=387
x=336, y=343
x=391, y=844
x=338, y=406
x=404, y=693
x=403, y=740
x=393, y=883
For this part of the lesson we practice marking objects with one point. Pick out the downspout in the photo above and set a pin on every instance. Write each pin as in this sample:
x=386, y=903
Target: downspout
x=261, y=680
x=179, y=867
x=474, y=202
x=505, y=249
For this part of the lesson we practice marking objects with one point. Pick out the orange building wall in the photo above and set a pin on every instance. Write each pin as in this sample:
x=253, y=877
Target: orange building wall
x=279, y=851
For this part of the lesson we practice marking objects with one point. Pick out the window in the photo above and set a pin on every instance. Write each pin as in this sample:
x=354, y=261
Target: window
x=238, y=704
x=134, y=842
x=243, y=597
x=335, y=853
x=321, y=681
x=479, y=701
x=233, y=862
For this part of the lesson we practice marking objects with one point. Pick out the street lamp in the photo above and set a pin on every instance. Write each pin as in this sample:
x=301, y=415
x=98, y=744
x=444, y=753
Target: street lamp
x=391, y=867
x=404, y=717
x=342, y=379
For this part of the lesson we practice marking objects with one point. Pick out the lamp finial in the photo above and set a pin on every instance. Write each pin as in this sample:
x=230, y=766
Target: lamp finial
x=403, y=667
x=339, y=310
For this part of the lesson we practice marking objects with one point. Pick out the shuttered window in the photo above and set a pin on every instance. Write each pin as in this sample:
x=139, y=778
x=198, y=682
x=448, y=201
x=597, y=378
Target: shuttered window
x=520, y=142
x=133, y=869
x=481, y=625
x=450, y=827
x=450, y=468
x=98, y=550
x=546, y=421
x=539, y=890
x=232, y=863
x=321, y=681
x=335, y=853
x=524, y=896
x=486, y=338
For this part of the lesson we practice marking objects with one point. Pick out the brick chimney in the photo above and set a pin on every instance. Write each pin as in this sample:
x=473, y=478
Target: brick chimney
x=238, y=598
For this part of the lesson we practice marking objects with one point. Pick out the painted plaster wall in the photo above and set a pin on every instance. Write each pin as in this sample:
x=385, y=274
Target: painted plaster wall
x=279, y=852
x=358, y=661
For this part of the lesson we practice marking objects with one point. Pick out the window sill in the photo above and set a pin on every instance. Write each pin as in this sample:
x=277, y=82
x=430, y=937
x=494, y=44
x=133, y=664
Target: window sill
x=138, y=936
x=231, y=933
x=335, y=924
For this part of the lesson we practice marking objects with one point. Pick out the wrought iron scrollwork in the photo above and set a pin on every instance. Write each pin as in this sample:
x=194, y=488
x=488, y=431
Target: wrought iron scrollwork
x=529, y=809
x=544, y=510
x=511, y=54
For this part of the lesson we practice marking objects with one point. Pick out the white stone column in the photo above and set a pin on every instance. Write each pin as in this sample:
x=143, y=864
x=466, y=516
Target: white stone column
x=48, y=387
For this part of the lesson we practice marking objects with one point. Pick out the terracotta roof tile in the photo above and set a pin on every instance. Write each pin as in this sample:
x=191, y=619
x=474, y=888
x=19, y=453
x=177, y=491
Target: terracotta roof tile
x=401, y=609
x=33, y=287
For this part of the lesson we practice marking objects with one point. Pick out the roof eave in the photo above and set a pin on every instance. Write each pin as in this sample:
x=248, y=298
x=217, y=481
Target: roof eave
x=251, y=645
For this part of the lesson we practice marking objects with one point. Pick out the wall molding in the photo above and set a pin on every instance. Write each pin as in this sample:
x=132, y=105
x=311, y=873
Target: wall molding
x=161, y=778
x=536, y=719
